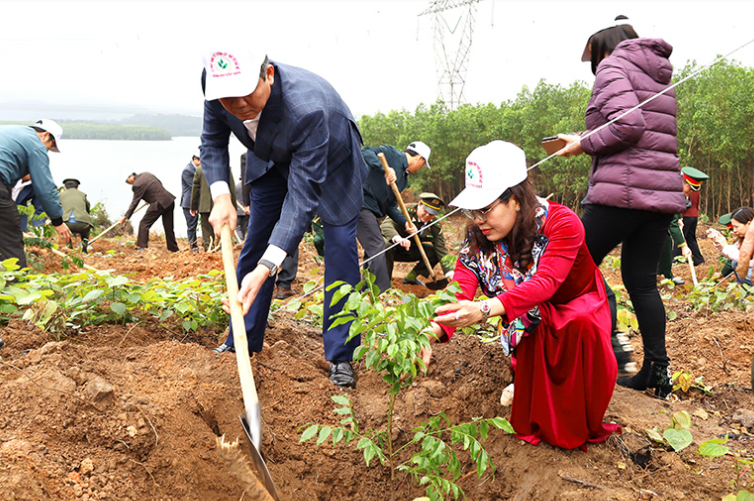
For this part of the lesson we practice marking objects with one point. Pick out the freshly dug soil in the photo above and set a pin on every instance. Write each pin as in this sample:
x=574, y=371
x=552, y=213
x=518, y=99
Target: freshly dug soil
x=132, y=412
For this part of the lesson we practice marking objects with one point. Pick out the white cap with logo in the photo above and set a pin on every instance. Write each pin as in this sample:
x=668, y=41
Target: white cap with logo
x=231, y=72
x=490, y=170
x=53, y=128
x=422, y=149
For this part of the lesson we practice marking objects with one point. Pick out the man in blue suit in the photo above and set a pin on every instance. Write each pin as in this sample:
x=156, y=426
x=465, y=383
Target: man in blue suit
x=306, y=159
x=187, y=181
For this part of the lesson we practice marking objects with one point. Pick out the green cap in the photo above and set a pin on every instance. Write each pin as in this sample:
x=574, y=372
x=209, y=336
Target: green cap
x=725, y=219
x=693, y=177
x=432, y=203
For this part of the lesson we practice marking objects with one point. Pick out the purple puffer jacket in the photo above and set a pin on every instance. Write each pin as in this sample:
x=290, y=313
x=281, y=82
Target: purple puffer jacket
x=635, y=160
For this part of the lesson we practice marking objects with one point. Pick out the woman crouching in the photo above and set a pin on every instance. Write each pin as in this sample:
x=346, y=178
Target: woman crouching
x=529, y=257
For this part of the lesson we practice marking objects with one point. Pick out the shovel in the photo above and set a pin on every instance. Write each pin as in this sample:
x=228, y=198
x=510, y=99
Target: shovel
x=252, y=421
x=434, y=284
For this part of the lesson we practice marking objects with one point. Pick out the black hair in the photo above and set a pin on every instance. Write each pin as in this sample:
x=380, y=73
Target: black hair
x=410, y=152
x=40, y=129
x=604, y=42
x=743, y=215
x=263, y=69
x=520, y=240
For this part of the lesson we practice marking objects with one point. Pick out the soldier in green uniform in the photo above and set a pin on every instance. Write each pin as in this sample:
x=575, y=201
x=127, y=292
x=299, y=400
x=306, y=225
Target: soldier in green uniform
x=433, y=241
x=676, y=243
x=76, y=211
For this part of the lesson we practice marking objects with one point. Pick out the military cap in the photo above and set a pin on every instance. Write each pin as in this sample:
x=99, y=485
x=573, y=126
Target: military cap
x=432, y=203
x=71, y=180
x=694, y=177
x=725, y=219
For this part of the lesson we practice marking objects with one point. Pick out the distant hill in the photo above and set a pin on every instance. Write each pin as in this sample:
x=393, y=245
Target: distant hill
x=80, y=130
x=177, y=125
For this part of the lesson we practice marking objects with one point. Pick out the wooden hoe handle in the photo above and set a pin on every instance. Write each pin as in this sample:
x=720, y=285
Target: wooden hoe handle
x=397, y=194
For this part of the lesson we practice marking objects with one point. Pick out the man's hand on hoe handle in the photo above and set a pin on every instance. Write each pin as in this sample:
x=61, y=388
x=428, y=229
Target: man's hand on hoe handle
x=223, y=212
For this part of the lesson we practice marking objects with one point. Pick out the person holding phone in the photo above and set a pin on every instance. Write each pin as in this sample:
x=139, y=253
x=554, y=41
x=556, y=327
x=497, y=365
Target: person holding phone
x=635, y=185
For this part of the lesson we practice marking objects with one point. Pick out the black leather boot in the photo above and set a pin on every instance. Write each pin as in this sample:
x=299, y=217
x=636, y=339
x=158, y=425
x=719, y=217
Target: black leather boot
x=661, y=380
x=641, y=380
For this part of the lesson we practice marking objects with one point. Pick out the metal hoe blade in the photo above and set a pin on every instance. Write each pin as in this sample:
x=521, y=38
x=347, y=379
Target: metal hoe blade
x=437, y=285
x=259, y=465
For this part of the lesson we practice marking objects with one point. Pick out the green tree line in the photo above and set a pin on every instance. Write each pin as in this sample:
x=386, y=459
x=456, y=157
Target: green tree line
x=715, y=134
x=79, y=130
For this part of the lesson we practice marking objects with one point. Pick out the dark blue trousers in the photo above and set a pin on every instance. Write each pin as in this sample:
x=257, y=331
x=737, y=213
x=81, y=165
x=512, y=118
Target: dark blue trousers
x=191, y=222
x=341, y=264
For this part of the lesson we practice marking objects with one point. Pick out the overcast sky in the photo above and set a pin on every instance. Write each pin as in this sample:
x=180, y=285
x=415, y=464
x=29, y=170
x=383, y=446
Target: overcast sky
x=378, y=55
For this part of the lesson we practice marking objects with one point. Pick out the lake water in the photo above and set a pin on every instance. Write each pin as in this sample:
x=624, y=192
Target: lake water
x=102, y=168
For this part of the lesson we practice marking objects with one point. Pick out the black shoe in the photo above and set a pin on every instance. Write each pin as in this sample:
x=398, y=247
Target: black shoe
x=640, y=380
x=284, y=293
x=623, y=349
x=341, y=374
x=224, y=348
x=2, y=343
x=661, y=380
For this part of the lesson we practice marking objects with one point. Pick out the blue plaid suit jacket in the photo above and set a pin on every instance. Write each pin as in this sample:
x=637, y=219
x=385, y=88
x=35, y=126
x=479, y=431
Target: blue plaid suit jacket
x=306, y=131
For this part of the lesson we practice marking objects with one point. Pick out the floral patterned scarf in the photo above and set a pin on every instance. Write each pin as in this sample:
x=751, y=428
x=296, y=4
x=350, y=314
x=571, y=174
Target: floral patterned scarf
x=497, y=274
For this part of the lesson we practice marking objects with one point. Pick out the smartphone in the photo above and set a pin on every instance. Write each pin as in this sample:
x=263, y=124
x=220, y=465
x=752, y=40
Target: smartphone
x=553, y=144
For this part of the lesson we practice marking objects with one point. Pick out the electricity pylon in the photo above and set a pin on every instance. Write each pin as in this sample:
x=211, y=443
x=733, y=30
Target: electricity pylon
x=452, y=64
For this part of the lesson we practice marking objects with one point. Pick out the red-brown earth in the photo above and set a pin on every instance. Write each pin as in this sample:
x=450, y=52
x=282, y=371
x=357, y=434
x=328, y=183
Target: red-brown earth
x=132, y=412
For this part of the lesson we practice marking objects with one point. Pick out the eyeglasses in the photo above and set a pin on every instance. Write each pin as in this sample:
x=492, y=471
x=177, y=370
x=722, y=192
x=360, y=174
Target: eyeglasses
x=480, y=214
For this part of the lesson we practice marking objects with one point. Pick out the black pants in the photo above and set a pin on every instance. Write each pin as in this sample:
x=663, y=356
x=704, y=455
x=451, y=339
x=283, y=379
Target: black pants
x=11, y=238
x=689, y=233
x=82, y=230
x=642, y=234
x=371, y=240
x=191, y=222
x=242, y=225
x=288, y=271
x=411, y=255
x=153, y=214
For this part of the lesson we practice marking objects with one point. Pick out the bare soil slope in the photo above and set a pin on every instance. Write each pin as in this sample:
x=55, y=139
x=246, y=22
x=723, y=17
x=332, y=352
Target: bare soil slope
x=132, y=412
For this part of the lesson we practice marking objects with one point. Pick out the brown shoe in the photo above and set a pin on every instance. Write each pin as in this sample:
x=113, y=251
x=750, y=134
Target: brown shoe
x=284, y=293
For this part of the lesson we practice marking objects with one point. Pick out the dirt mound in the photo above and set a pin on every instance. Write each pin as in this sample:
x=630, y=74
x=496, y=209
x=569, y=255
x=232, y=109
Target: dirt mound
x=132, y=412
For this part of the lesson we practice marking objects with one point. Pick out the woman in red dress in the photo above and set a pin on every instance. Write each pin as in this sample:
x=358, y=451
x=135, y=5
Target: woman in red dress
x=529, y=257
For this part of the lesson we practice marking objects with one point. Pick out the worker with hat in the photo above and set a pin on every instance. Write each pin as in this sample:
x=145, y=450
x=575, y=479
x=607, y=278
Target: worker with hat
x=679, y=241
x=431, y=236
x=693, y=178
x=24, y=150
x=380, y=201
x=76, y=211
x=306, y=159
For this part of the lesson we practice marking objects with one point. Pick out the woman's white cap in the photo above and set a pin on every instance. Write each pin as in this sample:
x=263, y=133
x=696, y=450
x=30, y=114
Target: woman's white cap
x=490, y=170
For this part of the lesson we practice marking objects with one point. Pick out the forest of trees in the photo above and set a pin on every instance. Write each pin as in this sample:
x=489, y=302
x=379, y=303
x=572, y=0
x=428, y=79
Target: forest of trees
x=715, y=134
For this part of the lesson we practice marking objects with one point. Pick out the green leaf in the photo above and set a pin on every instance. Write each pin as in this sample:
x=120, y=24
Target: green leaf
x=678, y=439
x=324, y=432
x=502, y=424
x=337, y=435
x=341, y=400
x=309, y=433
x=118, y=308
x=714, y=448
